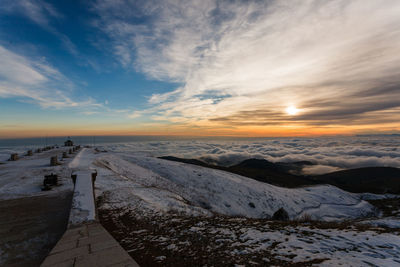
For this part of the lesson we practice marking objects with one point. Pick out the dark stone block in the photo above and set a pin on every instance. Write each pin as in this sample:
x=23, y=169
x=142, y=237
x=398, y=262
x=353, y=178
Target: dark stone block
x=280, y=215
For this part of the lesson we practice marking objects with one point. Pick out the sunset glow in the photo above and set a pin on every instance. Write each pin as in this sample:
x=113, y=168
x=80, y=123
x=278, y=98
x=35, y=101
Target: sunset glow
x=252, y=68
x=292, y=110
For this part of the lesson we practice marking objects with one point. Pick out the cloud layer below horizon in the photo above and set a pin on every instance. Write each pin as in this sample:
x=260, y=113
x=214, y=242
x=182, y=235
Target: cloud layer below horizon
x=328, y=154
x=242, y=63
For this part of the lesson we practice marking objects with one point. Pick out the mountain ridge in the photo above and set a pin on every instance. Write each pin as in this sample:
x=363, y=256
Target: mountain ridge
x=378, y=180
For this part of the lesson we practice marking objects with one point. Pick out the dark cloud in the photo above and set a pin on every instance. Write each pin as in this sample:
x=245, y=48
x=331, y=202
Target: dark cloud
x=380, y=104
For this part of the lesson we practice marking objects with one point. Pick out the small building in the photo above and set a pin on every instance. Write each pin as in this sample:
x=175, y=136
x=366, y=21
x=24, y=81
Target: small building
x=69, y=143
x=13, y=157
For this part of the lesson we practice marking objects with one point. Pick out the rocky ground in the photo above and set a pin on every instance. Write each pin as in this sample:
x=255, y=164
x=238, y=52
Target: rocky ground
x=174, y=214
x=177, y=240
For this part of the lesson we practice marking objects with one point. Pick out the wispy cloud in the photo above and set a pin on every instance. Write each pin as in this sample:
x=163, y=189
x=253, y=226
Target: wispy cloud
x=135, y=114
x=36, y=81
x=244, y=62
x=41, y=13
x=38, y=11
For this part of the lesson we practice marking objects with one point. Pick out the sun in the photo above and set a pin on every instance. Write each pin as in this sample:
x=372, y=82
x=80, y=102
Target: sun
x=292, y=110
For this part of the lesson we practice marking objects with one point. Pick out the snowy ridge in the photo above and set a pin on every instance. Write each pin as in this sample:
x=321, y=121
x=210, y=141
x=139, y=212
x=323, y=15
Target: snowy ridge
x=83, y=207
x=173, y=186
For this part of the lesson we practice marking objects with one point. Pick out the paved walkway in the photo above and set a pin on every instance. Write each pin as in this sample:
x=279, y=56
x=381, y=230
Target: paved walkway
x=88, y=245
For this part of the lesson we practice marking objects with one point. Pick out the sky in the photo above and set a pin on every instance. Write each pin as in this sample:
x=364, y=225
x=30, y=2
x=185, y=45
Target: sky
x=223, y=68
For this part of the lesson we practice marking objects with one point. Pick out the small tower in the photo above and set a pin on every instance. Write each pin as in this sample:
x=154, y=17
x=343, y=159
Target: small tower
x=69, y=142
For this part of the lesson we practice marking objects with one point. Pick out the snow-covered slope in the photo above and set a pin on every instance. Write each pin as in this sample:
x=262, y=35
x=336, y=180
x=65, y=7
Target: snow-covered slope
x=24, y=177
x=164, y=185
x=160, y=185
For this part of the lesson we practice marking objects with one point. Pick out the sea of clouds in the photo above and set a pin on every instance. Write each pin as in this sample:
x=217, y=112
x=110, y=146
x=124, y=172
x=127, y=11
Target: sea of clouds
x=328, y=154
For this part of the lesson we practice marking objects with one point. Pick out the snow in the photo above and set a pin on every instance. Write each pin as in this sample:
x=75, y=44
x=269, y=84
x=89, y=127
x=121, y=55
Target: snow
x=390, y=222
x=370, y=196
x=341, y=247
x=237, y=240
x=24, y=177
x=149, y=186
x=82, y=160
x=161, y=258
x=165, y=185
x=337, y=246
x=83, y=207
x=161, y=185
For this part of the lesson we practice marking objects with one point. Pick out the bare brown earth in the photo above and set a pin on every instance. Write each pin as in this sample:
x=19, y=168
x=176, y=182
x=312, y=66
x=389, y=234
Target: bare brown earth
x=172, y=239
x=144, y=239
x=31, y=226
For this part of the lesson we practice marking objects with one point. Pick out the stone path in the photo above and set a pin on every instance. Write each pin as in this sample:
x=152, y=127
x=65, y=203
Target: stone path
x=88, y=245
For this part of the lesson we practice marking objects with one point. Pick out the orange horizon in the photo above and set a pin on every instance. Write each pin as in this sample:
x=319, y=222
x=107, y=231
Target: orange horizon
x=204, y=129
x=206, y=133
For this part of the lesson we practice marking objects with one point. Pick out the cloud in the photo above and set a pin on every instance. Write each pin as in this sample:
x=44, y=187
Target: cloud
x=244, y=62
x=19, y=70
x=135, y=114
x=328, y=153
x=160, y=98
x=36, y=81
x=41, y=13
x=318, y=169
